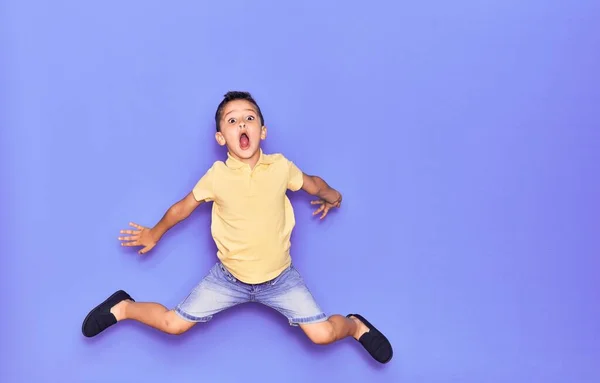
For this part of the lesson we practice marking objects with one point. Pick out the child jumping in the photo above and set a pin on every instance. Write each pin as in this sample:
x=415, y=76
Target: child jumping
x=252, y=222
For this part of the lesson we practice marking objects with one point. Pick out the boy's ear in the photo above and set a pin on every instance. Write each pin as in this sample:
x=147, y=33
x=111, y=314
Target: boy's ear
x=220, y=138
x=263, y=133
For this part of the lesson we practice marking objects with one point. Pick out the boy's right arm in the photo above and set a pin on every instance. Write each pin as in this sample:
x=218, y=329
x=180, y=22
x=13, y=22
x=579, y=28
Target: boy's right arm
x=148, y=237
x=176, y=213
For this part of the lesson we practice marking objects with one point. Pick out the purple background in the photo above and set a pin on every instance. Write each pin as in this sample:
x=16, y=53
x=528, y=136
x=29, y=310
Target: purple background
x=463, y=135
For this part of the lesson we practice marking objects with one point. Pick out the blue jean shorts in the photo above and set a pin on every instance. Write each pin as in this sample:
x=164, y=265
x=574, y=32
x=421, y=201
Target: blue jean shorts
x=220, y=290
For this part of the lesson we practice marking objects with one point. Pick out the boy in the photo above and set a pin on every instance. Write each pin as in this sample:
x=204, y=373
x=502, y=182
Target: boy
x=252, y=221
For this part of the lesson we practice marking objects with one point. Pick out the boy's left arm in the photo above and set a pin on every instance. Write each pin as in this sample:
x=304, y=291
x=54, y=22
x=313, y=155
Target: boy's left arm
x=328, y=197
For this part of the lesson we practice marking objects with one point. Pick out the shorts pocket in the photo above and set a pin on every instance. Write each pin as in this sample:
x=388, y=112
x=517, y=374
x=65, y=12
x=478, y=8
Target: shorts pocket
x=285, y=274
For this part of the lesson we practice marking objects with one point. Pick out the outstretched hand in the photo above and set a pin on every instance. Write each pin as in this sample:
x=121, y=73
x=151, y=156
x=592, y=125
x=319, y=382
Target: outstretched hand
x=140, y=237
x=326, y=206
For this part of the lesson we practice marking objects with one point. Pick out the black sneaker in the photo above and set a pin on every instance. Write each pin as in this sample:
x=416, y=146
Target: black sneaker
x=376, y=344
x=100, y=318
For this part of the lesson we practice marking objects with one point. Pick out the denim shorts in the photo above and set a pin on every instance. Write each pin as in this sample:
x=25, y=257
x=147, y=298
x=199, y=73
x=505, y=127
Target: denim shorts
x=220, y=290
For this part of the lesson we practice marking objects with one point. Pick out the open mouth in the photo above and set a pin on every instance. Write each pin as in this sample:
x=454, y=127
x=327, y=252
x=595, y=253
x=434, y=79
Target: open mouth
x=244, y=141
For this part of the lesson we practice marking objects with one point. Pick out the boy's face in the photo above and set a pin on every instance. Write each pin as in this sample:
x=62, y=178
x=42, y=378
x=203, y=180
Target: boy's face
x=241, y=129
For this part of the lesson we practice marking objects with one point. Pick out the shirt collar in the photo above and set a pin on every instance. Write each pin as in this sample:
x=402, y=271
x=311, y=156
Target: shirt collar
x=234, y=163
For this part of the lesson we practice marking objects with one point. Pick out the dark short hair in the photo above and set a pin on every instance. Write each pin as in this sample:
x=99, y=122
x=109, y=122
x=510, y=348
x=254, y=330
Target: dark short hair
x=232, y=96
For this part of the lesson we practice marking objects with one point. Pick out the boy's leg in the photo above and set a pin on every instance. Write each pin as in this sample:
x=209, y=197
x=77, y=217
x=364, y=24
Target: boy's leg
x=152, y=314
x=289, y=295
x=213, y=294
x=336, y=327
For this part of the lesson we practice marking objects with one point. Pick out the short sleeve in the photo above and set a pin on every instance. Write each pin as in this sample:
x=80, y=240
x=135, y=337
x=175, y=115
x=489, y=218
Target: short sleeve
x=295, y=177
x=203, y=190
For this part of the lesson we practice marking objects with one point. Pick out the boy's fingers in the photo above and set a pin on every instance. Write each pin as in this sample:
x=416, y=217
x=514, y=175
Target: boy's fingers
x=315, y=202
x=129, y=232
x=130, y=238
x=146, y=249
x=132, y=243
x=135, y=225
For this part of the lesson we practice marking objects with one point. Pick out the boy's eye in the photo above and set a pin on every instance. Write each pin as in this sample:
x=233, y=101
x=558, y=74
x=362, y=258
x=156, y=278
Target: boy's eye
x=250, y=118
x=231, y=120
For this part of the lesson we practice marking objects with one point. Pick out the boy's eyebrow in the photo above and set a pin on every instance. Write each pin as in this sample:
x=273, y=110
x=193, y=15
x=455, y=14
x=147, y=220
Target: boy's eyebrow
x=231, y=111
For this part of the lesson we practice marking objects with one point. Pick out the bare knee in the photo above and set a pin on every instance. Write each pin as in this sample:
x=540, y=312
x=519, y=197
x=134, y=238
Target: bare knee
x=175, y=325
x=320, y=333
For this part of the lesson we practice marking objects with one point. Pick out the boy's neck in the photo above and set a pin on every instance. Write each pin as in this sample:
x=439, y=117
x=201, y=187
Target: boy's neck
x=251, y=162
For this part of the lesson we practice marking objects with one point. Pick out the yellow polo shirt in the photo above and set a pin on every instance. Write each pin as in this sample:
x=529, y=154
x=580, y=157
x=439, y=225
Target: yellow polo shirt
x=252, y=218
